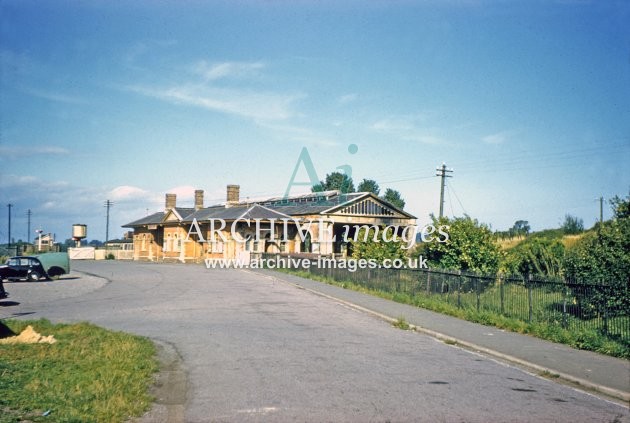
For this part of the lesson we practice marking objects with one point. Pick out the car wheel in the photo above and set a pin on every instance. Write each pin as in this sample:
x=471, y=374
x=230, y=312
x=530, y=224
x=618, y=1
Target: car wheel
x=33, y=276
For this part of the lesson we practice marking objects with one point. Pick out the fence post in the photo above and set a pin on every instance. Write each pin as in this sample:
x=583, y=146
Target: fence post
x=477, y=292
x=459, y=286
x=501, y=281
x=529, y=298
x=428, y=283
x=604, y=297
x=565, y=321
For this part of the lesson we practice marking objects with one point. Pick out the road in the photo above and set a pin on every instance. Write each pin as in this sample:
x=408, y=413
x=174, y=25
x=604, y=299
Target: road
x=255, y=349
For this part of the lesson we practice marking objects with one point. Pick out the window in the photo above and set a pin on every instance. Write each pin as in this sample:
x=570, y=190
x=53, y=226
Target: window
x=216, y=247
x=166, y=245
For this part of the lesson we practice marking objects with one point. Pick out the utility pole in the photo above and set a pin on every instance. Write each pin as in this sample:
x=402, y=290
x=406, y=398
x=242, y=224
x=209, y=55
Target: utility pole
x=108, y=205
x=601, y=209
x=9, y=241
x=29, y=213
x=442, y=174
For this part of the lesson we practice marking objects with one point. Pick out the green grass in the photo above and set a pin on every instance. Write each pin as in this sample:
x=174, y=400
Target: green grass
x=89, y=375
x=401, y=323
x=582, y=338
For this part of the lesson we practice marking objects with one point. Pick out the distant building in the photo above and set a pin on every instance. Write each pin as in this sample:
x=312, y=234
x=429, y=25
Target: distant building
x=283, y=226
x=45, y=243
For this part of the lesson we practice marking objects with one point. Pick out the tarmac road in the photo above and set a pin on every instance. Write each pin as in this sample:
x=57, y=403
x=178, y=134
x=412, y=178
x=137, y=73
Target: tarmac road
x=256, y=349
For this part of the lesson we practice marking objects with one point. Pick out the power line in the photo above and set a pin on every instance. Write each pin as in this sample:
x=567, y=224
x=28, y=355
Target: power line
x=450, y=200
x=450, y=187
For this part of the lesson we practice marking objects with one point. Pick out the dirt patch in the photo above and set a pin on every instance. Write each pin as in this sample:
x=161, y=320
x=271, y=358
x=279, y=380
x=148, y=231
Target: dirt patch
x=29, y=336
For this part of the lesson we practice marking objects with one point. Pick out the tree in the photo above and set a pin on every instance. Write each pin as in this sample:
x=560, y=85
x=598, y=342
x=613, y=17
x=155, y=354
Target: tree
x=601, y=257
x=335, y=181
x=394, y=198
x=572, y=225
x=621, y=207
x=535, y=255
x=520, y=228
x=471, y=246
x=365, y=247
x=369, y=185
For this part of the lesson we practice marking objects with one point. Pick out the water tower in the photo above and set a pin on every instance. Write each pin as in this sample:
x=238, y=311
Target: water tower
x=79, y=232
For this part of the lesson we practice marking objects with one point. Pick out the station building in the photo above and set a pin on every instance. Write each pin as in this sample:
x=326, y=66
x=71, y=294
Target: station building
x=309, y=224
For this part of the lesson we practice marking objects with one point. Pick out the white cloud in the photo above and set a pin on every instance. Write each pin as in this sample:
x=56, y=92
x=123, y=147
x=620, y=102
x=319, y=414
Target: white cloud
x=498, y=138
x=215, y=71
x=207, y=89
x=127, y=192
x=408, y=128
x=300, y=134
x=57, y=204
x=347, y=98
x=57, y=97
x=253, y=105
x=16, y=152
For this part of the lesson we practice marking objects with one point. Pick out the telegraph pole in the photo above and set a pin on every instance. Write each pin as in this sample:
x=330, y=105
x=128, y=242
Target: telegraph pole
x=9, y=241
x=108, y=205
x=29, y=213
x=442, y=173
x=601, y=209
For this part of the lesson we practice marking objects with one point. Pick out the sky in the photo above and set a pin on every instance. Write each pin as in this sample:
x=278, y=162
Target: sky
x=528, y=102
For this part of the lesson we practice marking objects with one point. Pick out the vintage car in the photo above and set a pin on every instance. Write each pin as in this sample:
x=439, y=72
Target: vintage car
x=33, y=268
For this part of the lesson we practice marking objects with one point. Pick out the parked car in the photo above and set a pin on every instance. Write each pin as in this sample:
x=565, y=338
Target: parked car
x=33, y=268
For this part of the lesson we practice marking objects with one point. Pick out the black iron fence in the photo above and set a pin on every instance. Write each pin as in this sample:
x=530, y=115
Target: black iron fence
x=567, y=304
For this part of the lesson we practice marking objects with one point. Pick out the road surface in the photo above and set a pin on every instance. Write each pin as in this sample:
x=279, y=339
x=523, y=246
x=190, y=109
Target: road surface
x=255, y=349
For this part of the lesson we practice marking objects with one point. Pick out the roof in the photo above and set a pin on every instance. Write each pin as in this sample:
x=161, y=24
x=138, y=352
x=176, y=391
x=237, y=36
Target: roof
x=157, y=218
x=324, y=202
x=152, y=219
x=255, y=211
x=119, y=241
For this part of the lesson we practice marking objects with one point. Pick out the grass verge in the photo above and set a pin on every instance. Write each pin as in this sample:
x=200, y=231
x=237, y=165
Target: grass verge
x=90, y=374
x=586, y=339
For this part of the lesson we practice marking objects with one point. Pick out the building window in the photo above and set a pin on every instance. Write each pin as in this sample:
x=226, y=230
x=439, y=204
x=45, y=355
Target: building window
x=306, y=246
x=216, y=247
x=166, y=245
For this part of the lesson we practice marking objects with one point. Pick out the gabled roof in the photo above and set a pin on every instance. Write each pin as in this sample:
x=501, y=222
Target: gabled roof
x=255, y=211
x=152, y=219
x=368, y=204
x=157, y=218
x=326, y=202
x=314, y=203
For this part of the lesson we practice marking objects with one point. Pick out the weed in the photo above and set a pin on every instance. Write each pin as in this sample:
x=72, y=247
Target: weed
x=401, y=323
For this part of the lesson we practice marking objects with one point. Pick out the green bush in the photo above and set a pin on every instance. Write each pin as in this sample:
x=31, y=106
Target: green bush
x=602, y=257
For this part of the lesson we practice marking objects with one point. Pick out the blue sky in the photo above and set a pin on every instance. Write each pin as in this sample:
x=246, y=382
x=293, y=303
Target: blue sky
x=528, y=102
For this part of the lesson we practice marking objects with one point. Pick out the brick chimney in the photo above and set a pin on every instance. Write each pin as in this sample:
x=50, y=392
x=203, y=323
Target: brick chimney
x=198, y=199
x=171, y=202
x=233, y=192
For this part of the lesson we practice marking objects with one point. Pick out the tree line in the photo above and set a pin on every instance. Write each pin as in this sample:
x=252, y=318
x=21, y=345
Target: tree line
x=344, y=183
